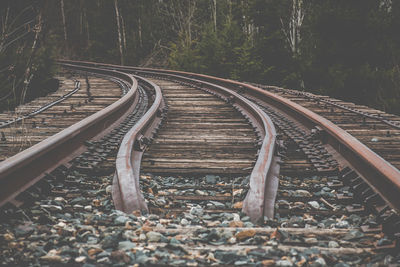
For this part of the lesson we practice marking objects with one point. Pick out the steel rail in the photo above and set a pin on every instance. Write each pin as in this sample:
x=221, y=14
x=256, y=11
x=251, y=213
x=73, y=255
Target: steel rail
x=383, y=177
x=316, y=98
x=6, y=123
x=21, y=171
x=126, y=190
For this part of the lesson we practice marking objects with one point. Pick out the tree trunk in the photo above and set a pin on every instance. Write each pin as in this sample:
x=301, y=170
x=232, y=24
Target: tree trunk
x=140, y=32
x=214, y=13
x=63, y=19
x=119, y=31
x=123, y=32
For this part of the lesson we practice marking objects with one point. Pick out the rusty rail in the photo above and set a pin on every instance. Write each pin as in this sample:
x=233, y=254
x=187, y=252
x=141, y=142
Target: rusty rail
x=26, y=168
x=126, y=191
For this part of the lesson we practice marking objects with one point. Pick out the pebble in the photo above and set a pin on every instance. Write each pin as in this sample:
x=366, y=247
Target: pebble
x=242, y=235
x=302, y=193
x=126, y=245
x=320, y=261
x=333, y=244
x=88, y=208
x=80, y=259
x=314, y=204
x=153, y=236
x=211, y=179
x=197, y=211
x=184, y=222
x=109, y=189
x=121, y=220
x=284, y=263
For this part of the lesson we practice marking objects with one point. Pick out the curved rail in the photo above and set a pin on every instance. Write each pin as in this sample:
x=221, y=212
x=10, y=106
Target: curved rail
x=378, y=173
x=19, y=172
x=126, y=191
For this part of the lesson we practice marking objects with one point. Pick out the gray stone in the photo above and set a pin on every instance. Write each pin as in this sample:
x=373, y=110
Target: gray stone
x=301, y=193
x=126, y=245
x=121, y=220
x=333, y=244
x=283, y=263
x=197, y=211
x=153, y=236
x=211, y=179
x=217, y=204
x=314, y=204
x=320, y=261
x=184, y=222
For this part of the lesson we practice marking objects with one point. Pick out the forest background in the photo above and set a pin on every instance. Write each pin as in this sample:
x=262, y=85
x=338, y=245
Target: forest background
x=349, y=49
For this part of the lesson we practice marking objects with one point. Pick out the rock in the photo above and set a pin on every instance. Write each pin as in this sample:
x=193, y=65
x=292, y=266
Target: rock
x=235, y=217
x=93, y=251
x=267, y=263
x=237, y=192
x=8, y=237
x=153, y=217
x=248, y=224
x=211, y=179
x=80, y=259
x=184, y=222
x=232, y=240
x=121, y=220
x=120, y=256
x=310, y=240
x=217, y=204
x=238, y=205
x=88, y=208
x=78, y=207
x=60, y=199
x=242, y=235
x=126, y=245
x=153, y=236
x=109, y=189
x=146, y=228
x=236, y=224
x=240, y=263
x=197, y=211
x=24, y=230
x=213, y=224
x=301, y=193
x=110, y=241
x=51, y=258
x=174, y=241
x=226, y=234
x=342, y=224
x=200, y=193
x=104, y=260
x=333, y=244
x=314, y=204
x=283, y=263
x=320, y=261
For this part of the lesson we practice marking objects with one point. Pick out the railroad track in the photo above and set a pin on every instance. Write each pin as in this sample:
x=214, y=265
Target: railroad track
x=46, y=116
x=202, y=156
